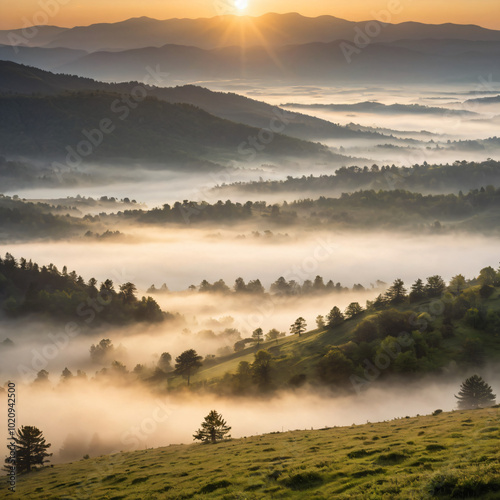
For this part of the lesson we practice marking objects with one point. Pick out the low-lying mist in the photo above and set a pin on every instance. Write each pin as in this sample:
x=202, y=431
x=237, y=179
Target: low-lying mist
x=184, y=256
x=93, y=418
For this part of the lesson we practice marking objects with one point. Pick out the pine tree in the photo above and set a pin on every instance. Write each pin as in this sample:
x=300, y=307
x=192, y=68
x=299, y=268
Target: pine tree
x=335, y=317
x=475, y=393
x=257, y=335
x=435, y=286
x=353, y=309
x=188, y=363
x=396, y=294
x=31, y=449
x=214, y=428
x=299, y=327
x=417, y=291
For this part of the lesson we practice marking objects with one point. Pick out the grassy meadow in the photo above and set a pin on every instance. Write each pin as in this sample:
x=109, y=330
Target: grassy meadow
x=444, y=455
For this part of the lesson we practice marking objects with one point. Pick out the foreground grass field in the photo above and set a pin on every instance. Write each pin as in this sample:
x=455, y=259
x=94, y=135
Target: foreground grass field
x=446, y=455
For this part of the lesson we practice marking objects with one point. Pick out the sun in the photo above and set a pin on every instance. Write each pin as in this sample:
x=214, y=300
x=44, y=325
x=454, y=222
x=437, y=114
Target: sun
x=241, y=4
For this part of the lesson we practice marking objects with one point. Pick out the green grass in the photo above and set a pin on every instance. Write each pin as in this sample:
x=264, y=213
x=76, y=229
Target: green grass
x=422, y=457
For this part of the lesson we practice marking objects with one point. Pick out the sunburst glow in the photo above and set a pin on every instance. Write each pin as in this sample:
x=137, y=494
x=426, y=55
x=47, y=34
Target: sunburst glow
x=241, y=4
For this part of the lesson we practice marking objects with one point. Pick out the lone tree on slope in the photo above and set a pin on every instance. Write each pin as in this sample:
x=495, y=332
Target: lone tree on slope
x=257, y=336
x=214, y=428
x=299, y=327
x=31, y=450
x=475, y=393
x=188, y=363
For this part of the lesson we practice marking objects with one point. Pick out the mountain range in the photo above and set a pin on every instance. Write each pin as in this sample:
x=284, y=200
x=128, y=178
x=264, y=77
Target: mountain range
x=223, y=31
x=450, y=61
x=271, y=48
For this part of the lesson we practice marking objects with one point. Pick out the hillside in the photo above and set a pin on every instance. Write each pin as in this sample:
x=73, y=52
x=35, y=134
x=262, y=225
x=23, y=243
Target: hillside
x=394, y=210
x=19, y=79
x=40, y=56
x=417, y=178
x=141, y=128
x=448, y=455
x=404, y=330
x=27, y=289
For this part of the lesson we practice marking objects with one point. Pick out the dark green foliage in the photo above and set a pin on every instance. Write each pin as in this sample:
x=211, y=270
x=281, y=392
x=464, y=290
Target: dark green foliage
x=366, y=331
x=391, y=458
x=473, y=352
x=335, y=317
x=31, y=449
x=396, y=294
x=299, y=327
x=435, y=447
x=22, y=219
x=359, y=453
x=368, y=472
x=475, y=318
x=213, y=429
x=454, y=485
x=393, y=322
x=353, y=310
x=188, y=363
x=475, y=393
x=262, y=369
x=303, y=480
x=156, y=130
x=138, y=480
x=417, y=292
x=486, y=291
x=215, y=486
x=415, y=178
x=26, y=288
x=488, y=277
x=334, y=367
x=435, y=286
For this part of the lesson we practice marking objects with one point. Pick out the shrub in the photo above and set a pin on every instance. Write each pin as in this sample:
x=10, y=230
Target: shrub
x=208, y=488
x=303, y=480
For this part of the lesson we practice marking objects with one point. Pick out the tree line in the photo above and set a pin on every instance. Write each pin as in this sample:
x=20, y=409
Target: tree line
x=456, y=176
x=281, y=287
x=27, y=288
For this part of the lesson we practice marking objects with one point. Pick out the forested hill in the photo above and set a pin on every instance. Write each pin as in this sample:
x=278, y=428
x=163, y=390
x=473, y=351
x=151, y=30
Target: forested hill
x=20, y=79
x=101, y=125
x=29, y=289
x=408, y=332
x=476, y=211
x=460, y=175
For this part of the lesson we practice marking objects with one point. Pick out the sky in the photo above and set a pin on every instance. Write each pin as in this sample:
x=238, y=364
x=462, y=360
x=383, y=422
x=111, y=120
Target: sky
x=68, y=13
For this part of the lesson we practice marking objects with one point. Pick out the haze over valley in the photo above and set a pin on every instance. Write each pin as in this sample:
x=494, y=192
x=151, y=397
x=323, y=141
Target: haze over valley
x=291, y=220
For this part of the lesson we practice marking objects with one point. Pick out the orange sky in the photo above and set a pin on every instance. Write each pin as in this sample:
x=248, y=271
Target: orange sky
x=20, y=13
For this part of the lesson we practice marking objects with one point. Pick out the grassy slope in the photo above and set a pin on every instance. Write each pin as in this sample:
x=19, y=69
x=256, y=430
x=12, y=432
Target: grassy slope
x=420, y=457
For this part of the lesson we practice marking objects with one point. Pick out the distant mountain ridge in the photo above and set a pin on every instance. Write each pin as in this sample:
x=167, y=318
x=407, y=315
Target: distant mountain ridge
x=272, y=47
x=378, y=107
x=314, y=62
x=223, y=31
